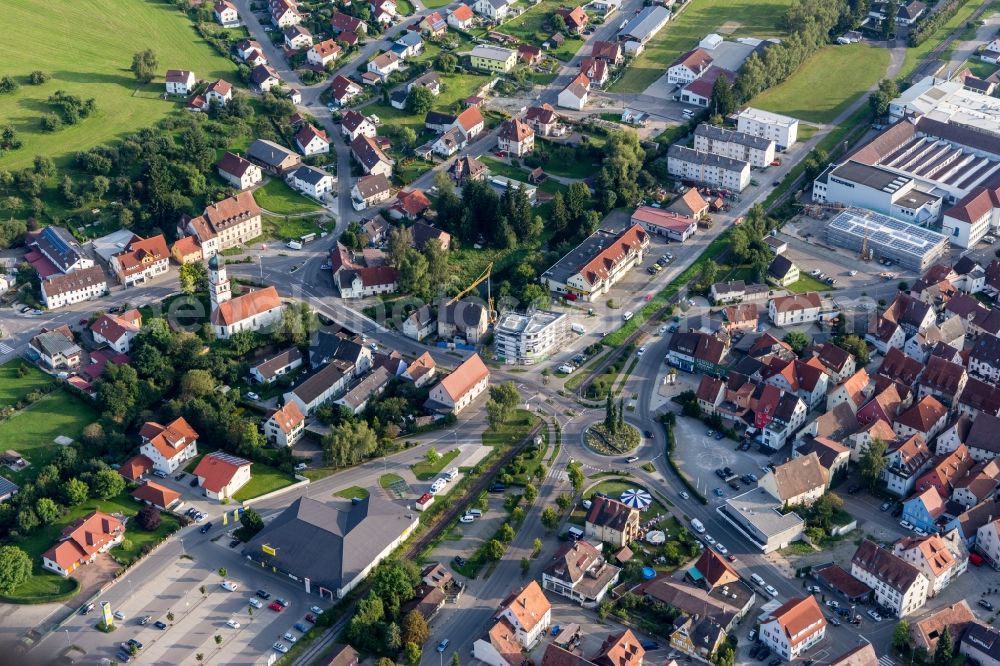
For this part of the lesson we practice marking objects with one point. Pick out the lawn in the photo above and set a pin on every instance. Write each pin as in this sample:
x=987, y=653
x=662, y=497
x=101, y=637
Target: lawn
x=806, y=283
x=387, y=480
x=87, y=48
x=426, y=471
x=533, y=28
x=615, y=488
x=352, y=492
x=265, y=480
x=32, y=430
x=916, y=54
x=978, y=67
x=499, y=168
x=755, y=18
x=45, y=584
x=279, y=198
x=512, y=431
x=13, y=387
x=842, y=72
x=288, y=228
x=455, y=88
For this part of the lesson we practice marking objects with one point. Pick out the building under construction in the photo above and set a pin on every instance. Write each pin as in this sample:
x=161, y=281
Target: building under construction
x=912, y=247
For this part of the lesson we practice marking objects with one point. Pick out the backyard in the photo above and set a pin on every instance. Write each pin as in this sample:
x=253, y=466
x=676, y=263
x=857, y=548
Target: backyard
x=277, y=197
x=532, y=27
x=32, y=431
x=265, y=480
x=99, y=68
x=842, y=72
x=729, y=18
x=455, y=88
x=16, y=383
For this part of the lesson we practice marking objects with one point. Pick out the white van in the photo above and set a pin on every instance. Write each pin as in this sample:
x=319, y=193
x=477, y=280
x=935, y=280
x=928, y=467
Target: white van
x=697, y=525
x=451, y=473
x=578, y=328
x=628, y=315
x=757, y=579
x=293, y=245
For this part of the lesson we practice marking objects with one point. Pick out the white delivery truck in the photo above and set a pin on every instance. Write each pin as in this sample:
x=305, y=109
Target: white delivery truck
x=578, y=328
x=698, y=527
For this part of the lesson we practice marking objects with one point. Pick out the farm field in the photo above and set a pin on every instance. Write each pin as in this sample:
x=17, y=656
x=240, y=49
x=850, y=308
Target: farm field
x=31, y=431
x=729, y=18
x=843, y=72
x=97, y=66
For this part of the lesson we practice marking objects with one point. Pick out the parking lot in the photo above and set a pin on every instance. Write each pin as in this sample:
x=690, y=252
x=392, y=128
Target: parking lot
x=462, y=539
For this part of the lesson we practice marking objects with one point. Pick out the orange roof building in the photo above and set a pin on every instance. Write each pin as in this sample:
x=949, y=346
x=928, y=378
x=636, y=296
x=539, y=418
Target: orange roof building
x=82, y=542
x=422, y=370
x=142, y=259
x=594, y=266
x=156, y=495
x=136, y=467
x=253, y=311
x=186, y=250
x=793, y=627
x=286, y=425
x=528, y=612
x=457, y=391
x=621, y=649
x=222, y=474
x=168, y=446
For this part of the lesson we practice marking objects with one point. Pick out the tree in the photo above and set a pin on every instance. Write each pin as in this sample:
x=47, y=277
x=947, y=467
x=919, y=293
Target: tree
x=724, y=99
x=75, y=492
x=854, y=345
x=393, y=582
x=525, y=565
x=550, y=519
x=193, y=276
x=413, y=273
x=506, y=534
x=419, y=101
x=446, y=62
x=798, y=341
x=496, y=414
x=38, y=77
x=349, y=442
x=558, y=22
x=385, y=661
x=8, y=84
x=901, y=635
x=563, y=501
x=414, y=628
x=197, y=384
x=47, y=510
x=945, y=648
x=530, y=493
x=223, y=572
x=412, y=654
x=149, y=518
x=218, y=639
x=536, y=547
x=144, y=64
x=15, y=567
x=872, y=463
x=455, y=660
x=27, y=520
x=107, y=483
x=250, y=524
x=880, y=99
x=494, y=550
x=610, y=418
x=432, y=456
x=576, y=476
x=400, y=240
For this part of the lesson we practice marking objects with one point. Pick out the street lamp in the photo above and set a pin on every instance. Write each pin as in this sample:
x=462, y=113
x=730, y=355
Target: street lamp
x=260, y=260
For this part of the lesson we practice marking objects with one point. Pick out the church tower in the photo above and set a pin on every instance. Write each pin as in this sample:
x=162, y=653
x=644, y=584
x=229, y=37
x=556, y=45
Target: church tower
x=218, y=283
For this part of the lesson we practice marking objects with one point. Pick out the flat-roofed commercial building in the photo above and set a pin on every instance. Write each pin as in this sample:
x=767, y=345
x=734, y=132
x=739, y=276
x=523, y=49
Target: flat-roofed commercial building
x=758, y=516
x=526, y=339
x=913, y=247
x=876, y=188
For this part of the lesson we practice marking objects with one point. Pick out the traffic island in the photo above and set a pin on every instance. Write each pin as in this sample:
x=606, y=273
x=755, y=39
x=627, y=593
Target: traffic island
x=623, y=439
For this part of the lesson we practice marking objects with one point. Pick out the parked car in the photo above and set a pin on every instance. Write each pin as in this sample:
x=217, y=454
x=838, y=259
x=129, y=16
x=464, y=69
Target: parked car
x=718, y=492
x=264, y=594
x=770, y=590
x=256, y=603
x=232, y=623
x=281, y=602
x=310, y=618
x=885, y=506
x=649, y=646
x=833, y=621
x=298, y=626
x=874, y=615
x=985, y=604
x=466, y=519
x=280, y=647
x=290, y=637
x=144, y=620
x=160, y=624
x=276, y=607
x=443, y=645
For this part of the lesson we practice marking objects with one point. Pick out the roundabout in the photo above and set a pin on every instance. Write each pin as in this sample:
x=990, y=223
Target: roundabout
x=624, y=438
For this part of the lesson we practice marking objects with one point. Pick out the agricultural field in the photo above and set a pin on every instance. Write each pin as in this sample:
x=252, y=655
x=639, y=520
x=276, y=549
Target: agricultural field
x=729, y=18
x=842, y=72
x=97, y=67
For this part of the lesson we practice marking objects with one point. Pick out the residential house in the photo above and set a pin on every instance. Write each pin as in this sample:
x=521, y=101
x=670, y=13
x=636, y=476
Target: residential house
x=742, y=317
x=981, y=438
x=420, y=323
x=141, y=260
x=344, y=24
x=80, y=285
x=226, y=224
x=433, y=24
x=794, y=309
x=576, y=19
x=370, y=190
x=798, y=482
x=957, y=618
x=906, y=459
x=590, y=270
x=411, y=205
x=297, y=37
x=462, y=319
x=608, y=51
x=312, y=182
x=220, y=92
x=225, y=14
x=430, y=80
x=788, y=417
x=273, y=158
x=782, y=271
x=580, y=572
x=833, y=456
x=82, y=541
x=311, y=140
x=978, y=484
x=239, y=172
x=925, y=418
x=323, y=53
x=321, y=387
x=356, y=280
x=575, y=94
x=460, y=388
x=468, y=168
x=264, y=78
x=988, y=542
x=805, y=379
x=947, y=471
x=421, y=370
x=942, y=380
x=611, y=521
x=793, y=627
x=543, y=120
x=383, y=11
x=984, y=359
x=180, y=81
x=854, y=392
x=529, y=613
x=269, y=370
x=689, y=66
x=221, y=475
x=56, y=348
x=408, y=45
x=343, y=90
x=932, y=557
x=370, y=156
x=698, y=352
x=470, y=122
x=980, y=645
x=385, y=64
x=354, y=124
x=897, y=585
x=498, y=646
x=449, y=143
x=461, y=18
x=168, y=446
x=285, y=13
x=979, y=397
x=155, y=495
x=665, y=223
x=117, y=330
x=516, y=137
x=494, y=10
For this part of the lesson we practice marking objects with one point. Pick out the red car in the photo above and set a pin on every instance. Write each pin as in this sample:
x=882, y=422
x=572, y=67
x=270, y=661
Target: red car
x=732, y=558
x=276, y=607
x=310, y=618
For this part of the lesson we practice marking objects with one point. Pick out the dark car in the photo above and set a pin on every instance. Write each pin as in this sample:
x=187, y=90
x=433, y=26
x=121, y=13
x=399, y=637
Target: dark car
x=310, y=618
x=754, y=650
x=720, y=435
x=459, y=560
x=985, y=604
x=898, y=511
x=206, y=527
x=764, y=654
x=134, y=643
x=234, y=543
x=734, y=485
x=123, y=656
x=719, y=473
x=648, y=433
x=279, y=600
x=885, y=506
x=774, y=662
x=144, y=620
x=194, y=482
x=264, y=594
x=649, y=645
x=160, y=624
x=853, y=489
x=498, y=488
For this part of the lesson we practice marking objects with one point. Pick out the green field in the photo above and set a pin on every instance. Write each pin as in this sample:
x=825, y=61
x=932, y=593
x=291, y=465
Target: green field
x=426, y=471
x=807, y=283
x=978, y=67
x=512, y=431
x=264, y=480
x=532, y=27
x=387, y=480
x=729, y=18
x=32, y=430
x=499, y=168
x=841, y=72
x=14, y=387
x=916, y=54
x=87, y=48
x=352, y=492
x=455, y=88
x=278, y=197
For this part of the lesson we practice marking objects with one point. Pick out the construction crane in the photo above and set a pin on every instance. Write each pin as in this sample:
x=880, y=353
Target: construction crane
x=866, y=252
x=483, y=277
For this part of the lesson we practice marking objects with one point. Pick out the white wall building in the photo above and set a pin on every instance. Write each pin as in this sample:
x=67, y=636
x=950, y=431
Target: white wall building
x=783, y=130
x=715, y=170
x=526, y=339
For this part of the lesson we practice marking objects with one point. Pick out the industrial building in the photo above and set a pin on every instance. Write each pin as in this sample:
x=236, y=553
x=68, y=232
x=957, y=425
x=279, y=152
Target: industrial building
x=878, y=189
x=948, y=102
x=912, y=247
x=526, y=339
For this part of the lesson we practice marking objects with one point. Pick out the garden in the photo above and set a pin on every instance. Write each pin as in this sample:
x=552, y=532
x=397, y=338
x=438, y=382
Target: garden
x=278, y=198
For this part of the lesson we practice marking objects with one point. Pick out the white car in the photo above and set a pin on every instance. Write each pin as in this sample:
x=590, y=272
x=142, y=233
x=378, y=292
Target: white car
x=252, y=395
x=722, y=549
x=466, y=519
x=853, y=273
x=833, y=604
x=587, y=504
x=905, y=525
x=632, y=459
x=770, y=590
x=232, y=624
x=290, y=637
x=875, y=616
x=228, y=585
x=709, y=539
x=120, y=616
x=684, y=495
x=316, y=610
x=301, y=466
x=565, y=368
x=256, y=603
x=642, y=350
x=280, y=647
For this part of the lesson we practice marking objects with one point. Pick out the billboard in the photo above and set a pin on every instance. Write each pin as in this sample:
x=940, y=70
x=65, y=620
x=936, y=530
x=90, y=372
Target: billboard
x=268, y=550
x=108, y=618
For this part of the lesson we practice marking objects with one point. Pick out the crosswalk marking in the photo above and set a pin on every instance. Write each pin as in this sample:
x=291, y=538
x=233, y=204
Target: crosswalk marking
x=886, y=660
x=5, y=348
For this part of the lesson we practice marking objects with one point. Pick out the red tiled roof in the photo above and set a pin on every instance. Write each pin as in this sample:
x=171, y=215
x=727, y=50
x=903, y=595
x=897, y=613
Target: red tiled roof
x=246, y=306
x=464, y=377
x=171, y=438
x=156, y=494
x=135, y=467
x=141, y=253
x=217, y=470
x=288, y=417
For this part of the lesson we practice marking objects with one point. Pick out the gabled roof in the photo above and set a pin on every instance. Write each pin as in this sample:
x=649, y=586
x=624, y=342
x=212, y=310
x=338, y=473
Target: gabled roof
x=799, y=619
x=898, y=366
x=469, y=119
x=607, y=512
x=368, y=152
x=216, y=470
x=462, y=12
x=140, y=253
x=798, y=476
x=923, y=415
x=156, y=494
x=887, y=568
x=515, y=130
x=696, y=60
x=245, y=306
x=528, y=606
x=714, y=569
x=307, y=133
x=113, y=328
x=83, y=538
x=983, y=434
x=169, y=439
x=465, y=377
x=233, y=164
x=942, y=375
x=340, y=86
x=288, y=417
x=619, y=649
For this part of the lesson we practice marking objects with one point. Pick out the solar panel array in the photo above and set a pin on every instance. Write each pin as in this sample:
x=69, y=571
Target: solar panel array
x=912, y=246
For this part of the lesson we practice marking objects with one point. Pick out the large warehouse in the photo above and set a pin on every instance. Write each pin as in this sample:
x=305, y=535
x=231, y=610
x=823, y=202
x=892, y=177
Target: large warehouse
x=912, y=247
